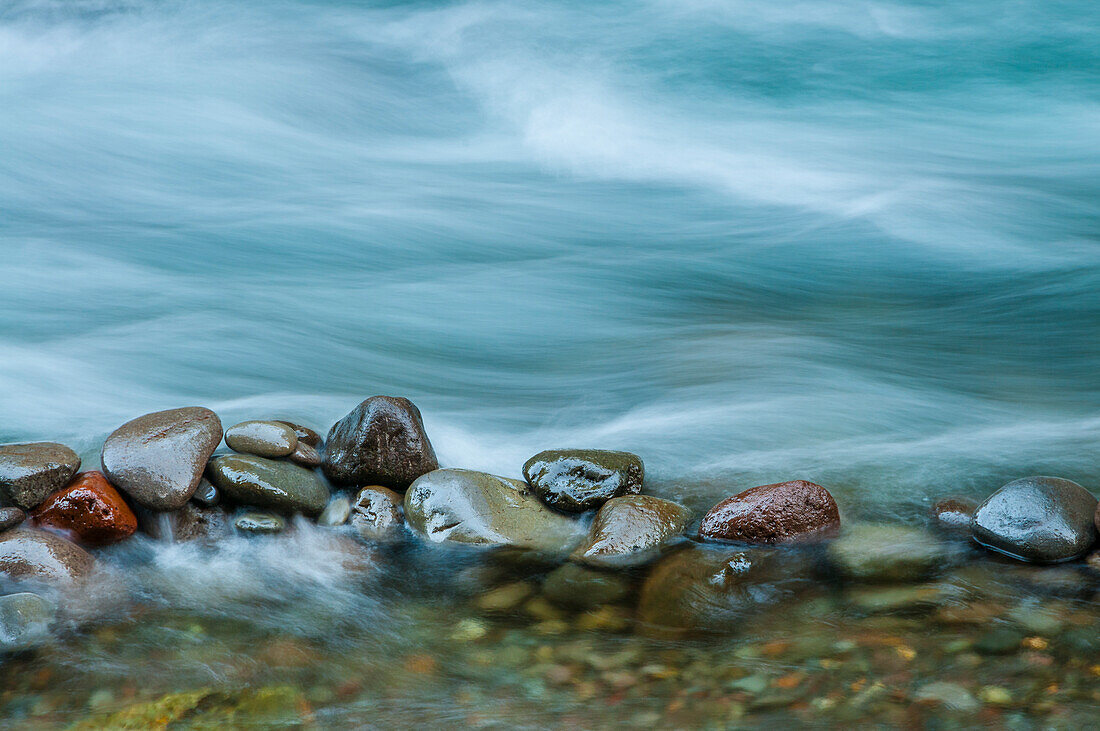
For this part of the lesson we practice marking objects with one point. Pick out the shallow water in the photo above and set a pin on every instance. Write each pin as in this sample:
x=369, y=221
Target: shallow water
x=848, y=242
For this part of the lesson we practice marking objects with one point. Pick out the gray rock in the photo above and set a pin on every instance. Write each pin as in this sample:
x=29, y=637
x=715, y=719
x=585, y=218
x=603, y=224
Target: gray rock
x=306, y=456
x=37, y=555
x=376, y=514
x=464, y=506
x=951, y=695
x=886, y=553
x=336, y=512
x=158, y=458
x=1040, y=519
x=30, y=472
x=304, y=433
x=381, y=442
x=254, y=522
x=190, y=523
x=25, y=621
x=632, y=530
x=206, y=495
x=282, y=486
x=11, y=517
x=580, y=588
x=575, y=480
x=262, y=438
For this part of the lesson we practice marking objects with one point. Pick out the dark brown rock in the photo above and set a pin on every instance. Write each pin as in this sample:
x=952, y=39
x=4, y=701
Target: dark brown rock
x=35, y=554
x=576, y=480
x=381, y=442
x=158, y=459
x=305, y=434
x=954, y=513
x=189, y=523
x=11, y=517
x=89, y=510
x=778, y=513
x=306, y=455
x=30, y=472
x=632, y=530
x=1039, y=519
x=376, y=513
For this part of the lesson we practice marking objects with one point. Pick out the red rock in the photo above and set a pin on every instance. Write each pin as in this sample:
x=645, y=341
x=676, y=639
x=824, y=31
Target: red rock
x=776, y=513
x=89, y=510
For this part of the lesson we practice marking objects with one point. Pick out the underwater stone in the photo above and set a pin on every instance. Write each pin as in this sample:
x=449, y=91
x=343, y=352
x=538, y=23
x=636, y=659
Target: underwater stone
x=579, y=587
x=869, y=552
x=381, y=442
x=1040, y=519
x=25, y=621
x=30, y=472
x=777, y=513
x=631, y=530
x=262, y=438
x=576, y=480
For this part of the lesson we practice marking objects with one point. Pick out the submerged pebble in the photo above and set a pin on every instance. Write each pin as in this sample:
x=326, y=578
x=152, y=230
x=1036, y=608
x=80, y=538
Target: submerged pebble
x=25, y=621
x=872, y=552
x=256, y=522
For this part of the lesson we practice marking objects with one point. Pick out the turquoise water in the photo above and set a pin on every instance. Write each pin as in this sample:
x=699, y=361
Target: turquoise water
x=850, y=242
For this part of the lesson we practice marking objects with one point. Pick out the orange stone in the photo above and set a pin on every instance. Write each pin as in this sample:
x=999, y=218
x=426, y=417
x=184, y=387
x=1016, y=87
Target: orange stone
x=89, y=510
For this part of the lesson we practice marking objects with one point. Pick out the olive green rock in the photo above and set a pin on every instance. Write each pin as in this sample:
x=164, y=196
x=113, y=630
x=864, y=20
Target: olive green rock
x=262, y=438
x=283, y=486
x=631, y=531
x=575, y=480
x=29, y=473
x=254, y=522
x=463, y=506
x=579, y=587
x=886, y=553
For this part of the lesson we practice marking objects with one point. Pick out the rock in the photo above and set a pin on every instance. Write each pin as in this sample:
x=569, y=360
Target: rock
x=189, y=523
x=376, y=514
x=505, y=598
x=206, y=494
x=35, y=554
x=306, y=455
x=30, y=472
x=876, y=599
x=578, y=587
x=951, y=695
x=576, y=480
x=336, y=512
x=632, y=530
x=381, y=442
x=25, y=621
x=1039, y=519
x=262, y=438
x=89, y=509
x=282, y=486
x=255, y=522
x=999, y=641
x=954, y=513
x=158, y=459
x=11, y=517
x=776, y=513
x=886, y=553
x=304, y=433
x=464, y=506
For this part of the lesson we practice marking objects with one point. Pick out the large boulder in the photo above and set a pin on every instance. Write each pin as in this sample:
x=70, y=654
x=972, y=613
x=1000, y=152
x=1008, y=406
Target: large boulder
x=158, y=459
x=30, y=472
x=283, y=486
x=886, y=553
x=381, y=442
x=575, y=480
x=1040, y=519
x=38, y=555
x=464, y=506
x=632, y=530
x=89, y=510
x=784, y=511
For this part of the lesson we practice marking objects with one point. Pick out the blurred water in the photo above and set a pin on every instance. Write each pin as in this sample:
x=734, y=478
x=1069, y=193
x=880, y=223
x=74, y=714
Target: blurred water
x=854, y=242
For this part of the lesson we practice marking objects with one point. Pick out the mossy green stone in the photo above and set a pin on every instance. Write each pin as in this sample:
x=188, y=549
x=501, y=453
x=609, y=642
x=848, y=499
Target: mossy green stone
x=283, y=486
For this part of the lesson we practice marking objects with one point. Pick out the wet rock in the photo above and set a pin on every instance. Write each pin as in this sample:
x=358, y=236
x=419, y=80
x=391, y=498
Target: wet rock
x=505, y=598
x=306, y=455
x=376, y=514
x=381, y=442
x=157, y=459
x=11, y=517
x=190, y=523
x=775, y=513
x=304, y=433
x=576, y=480
x=255, y=522
x=262, y=438
x=876, y=599
x=1040, y=519
x=250, y=480
x=999, y=641
x=868, y=552
x=632, y=530
x=950, y=695
x=30, y=472
x=336, y=512
x=38, y=555
x=25, y=621
x=206, y=494
x=954, y=513
x=579, y=587
x=464, y=506
x=89, y=510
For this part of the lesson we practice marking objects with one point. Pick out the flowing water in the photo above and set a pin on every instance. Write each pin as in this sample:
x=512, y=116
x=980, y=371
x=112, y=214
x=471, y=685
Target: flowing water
x=854, y=242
